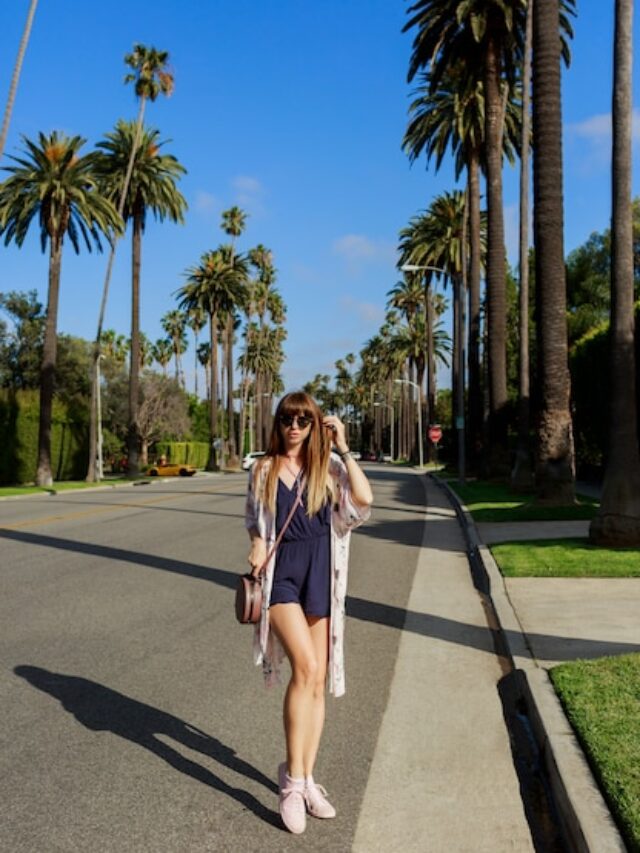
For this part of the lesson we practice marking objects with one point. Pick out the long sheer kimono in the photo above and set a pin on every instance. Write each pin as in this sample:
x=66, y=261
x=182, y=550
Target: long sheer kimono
x=345, y=516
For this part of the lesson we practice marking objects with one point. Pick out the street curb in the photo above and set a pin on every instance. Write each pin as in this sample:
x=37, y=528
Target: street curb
x=586, y=822
x=52, y=493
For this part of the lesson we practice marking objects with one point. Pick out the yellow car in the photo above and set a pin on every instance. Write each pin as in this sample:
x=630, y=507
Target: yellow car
x=169, y=469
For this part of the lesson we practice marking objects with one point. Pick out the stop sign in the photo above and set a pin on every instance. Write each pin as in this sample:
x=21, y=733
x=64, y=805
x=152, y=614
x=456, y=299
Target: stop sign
x=435, y=433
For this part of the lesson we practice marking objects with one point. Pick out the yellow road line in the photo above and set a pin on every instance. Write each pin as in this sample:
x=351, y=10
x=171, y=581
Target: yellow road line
x=71, y=516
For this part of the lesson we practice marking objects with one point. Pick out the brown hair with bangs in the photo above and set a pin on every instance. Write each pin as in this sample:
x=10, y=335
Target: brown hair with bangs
x=316, y=450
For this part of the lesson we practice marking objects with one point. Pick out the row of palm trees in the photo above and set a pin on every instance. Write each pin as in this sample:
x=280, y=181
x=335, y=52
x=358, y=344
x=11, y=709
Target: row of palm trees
x=89, y=198
x=224, y=284
x=476, y=59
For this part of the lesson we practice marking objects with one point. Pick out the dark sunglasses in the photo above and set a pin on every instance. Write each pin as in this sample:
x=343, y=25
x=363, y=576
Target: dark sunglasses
x=288, y=420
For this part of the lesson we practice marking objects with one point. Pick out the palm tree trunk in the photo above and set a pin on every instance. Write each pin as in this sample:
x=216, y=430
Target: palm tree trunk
x=212, y=463
x=496, y=271
x=618, y=520
x=15, y=77
x=473, y=361
x=555, y=461
x=91, y=468
x=233, y=457
x=133, y=438
x=522, y=475
x=47, y=370
x=195, y=335
x=431, y=356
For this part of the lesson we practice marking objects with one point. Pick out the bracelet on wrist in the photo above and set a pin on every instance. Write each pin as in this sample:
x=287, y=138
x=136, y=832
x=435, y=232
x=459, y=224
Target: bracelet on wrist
x=346, y=453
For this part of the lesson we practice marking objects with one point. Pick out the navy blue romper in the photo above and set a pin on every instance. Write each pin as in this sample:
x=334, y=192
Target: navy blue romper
x=303, y=559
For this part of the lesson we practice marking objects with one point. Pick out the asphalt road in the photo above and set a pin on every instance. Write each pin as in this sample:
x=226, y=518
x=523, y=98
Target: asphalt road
x=133, y=718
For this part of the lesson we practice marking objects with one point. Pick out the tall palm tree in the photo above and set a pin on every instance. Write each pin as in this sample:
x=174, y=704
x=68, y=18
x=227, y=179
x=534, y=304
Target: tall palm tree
x=555, y=457
x=450, y=113
x=174, y=323
x=151, y=77
x=196, y=321
x=162, y=352
x=261, y=260
x=233, y=224
x=521, y=475
x=151, y=188
x=59, y=187
x=204, y=358
x=490, y=32
x=215, y=286
x=618, y=520
x=15, y=77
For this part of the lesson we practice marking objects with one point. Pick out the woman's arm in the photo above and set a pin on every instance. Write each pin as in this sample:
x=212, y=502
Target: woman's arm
x=258, y=552
x=361, y=493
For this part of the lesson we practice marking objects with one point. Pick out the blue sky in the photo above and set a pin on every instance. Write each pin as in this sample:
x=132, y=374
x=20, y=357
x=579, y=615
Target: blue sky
x=295, y=111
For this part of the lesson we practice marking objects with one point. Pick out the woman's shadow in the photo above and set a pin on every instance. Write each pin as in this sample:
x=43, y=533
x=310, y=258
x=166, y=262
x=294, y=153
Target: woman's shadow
x=102, y=709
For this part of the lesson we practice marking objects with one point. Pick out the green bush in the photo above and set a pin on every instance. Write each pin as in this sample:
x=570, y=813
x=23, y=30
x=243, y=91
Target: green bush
x=194, y=453
x=19, y=414
x=589, y=365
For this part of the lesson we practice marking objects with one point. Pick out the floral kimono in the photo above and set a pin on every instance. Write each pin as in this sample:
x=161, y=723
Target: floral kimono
x=345, y=515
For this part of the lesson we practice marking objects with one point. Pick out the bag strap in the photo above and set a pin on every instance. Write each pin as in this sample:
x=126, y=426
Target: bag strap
x=296, y=503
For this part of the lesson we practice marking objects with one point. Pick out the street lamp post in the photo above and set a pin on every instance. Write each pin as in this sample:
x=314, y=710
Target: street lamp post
x=389, y=406
x=417, y=387
x=458, y=325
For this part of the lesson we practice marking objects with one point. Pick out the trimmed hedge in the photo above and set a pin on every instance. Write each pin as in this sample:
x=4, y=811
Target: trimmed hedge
x=194, y=453
x=19, y=415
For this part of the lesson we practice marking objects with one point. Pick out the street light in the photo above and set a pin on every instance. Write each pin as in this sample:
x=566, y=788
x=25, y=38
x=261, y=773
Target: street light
x=389, y=406
x=417, y=387
x=458, y=324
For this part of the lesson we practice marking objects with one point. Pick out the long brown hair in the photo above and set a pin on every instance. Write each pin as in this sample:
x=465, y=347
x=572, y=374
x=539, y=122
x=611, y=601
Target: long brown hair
x=316, y=452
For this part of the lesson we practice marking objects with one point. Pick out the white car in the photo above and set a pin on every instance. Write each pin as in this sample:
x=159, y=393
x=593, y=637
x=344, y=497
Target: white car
x=250, y=458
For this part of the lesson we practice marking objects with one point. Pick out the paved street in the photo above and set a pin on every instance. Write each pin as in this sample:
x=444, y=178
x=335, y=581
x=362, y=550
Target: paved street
x=134, y=719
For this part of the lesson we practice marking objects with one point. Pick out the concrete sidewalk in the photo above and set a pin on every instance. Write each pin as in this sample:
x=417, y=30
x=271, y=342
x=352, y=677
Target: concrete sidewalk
x=568, y=618
x=442, y=778
x=544, y=621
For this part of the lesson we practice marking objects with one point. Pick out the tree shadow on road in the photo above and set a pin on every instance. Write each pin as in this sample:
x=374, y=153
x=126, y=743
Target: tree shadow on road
x=99, y=708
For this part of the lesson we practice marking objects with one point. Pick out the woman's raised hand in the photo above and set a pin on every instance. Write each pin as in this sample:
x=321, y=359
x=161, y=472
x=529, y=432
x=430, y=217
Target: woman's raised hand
x=336, y=432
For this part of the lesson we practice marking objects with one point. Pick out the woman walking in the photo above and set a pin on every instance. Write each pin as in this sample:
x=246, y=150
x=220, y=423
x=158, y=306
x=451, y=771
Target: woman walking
x=319, y=496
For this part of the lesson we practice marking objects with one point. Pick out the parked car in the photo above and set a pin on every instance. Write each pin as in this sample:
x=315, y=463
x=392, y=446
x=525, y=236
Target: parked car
x=250, y=458
x=168, y=469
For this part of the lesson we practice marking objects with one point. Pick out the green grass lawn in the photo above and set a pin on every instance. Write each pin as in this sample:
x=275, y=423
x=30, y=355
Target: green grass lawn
x=565, y=558
x=497, y=502
x=65, y=485
x=602, y=701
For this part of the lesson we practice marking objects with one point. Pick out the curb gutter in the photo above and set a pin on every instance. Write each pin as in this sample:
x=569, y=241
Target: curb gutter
x=586, y=822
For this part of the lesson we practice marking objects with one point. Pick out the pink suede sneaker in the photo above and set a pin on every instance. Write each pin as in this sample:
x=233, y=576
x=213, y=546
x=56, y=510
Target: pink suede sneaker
x=292, y=801
x=316, y=798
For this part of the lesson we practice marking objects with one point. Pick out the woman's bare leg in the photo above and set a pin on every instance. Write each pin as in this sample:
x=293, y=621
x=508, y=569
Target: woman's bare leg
x=319, y=630
x=293, y=631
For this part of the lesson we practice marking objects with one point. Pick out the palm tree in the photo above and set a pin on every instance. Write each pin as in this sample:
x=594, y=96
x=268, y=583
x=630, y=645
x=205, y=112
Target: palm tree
x=204, y=357
x=53, y=183
x=173, y=323
x=487, y=33
x=196, y=321
x=151, y=77
x=152, y=187
x=215, y=286
x=15, y=77
x=521, y=475
x=162, y=352
x=618, y=520
x=261, y=259
x=555, y=458
x=450, y=113
x=233, y=224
